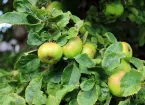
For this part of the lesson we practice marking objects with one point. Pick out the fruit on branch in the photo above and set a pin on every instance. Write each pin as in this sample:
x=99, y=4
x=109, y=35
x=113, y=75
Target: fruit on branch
x=127, y=50
x=55, y=5
x=114, y=83
x=89, y=49
x=50, y=52
x=73, y=47
x=113, y=9
x=83, y=29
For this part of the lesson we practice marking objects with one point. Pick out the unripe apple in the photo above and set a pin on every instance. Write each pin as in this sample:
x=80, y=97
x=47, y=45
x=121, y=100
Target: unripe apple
x=50, y=52
x=127, y=50
x=55, y=4
x=123, y=66
x=114, y=83
x=82, y=29
x=89, y=49
x=73, y=47
x=113, y=9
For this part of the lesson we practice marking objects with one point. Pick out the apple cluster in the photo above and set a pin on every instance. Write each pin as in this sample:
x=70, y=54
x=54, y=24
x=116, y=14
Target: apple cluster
x=51, y=52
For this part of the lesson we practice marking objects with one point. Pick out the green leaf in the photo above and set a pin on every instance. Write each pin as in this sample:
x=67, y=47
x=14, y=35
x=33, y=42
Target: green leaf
x=28, y=63
x=34, y=39
x=45, y=36
x=33, y=93
x=71, y=75
x=60, y=93
x=87, y=97
x=4, y=91
x=140, y=97
x=83, y=59
x=111, y=37
x=104, y=94
x=112, y=57
x=64, y=20
x=56, y=35
x=114, y=48
x=75, y=18
x=22, y=5
x=13, y=99
x=33, y=2
x=87, y=85
x=55, y=13
x=62, y=40
x=52, y=88
x=131, y=83
x=17, y=18
x=72, y=32
x=73, y=102
x=78, y=25
x=137, y=62
x=111, y=61
x=125, y=102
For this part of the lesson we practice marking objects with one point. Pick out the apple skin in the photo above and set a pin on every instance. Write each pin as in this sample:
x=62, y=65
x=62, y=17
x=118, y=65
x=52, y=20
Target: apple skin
x=113, y=9
x=89, y=49
x=124, y=66
x=73, y=47
x=55, y=4
x=82, y=29
x=127, y=50
x=114, y=83
x=50, y=52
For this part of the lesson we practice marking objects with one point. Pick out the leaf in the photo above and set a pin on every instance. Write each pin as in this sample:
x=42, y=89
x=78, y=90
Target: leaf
x=33, y=2
x=112, y=57
x=64, y=20
x=71, y=75
x=22, y=5
x=13, y=99
x=83, y=59
x=78, y=25
x=140, y=97
x=87, y=97
x=17, y=18
x=52, y=88
x=55, y=13
x=60, y=93
x=87, y=85
x=110, y=37
x=28, y=63
x=62, y=40
x=56, y=35
x=4, y=91
x=73, y=102
x=34, y=39
x=72, y=32
x=75, y=18
x=33, y=93
x=131, y=83
x=114, y=48
x=137, y=62
x=111, y=61
x=125, y=102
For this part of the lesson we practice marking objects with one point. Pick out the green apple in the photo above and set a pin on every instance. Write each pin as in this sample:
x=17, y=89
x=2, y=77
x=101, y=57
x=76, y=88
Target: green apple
x=113, y=9
x=56, y=5
x=82, y=29
x=114, y=83
x=89, y=49
x=123, y=66
x=127, y=50
x=73, y=47
x=50, y=52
